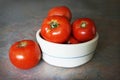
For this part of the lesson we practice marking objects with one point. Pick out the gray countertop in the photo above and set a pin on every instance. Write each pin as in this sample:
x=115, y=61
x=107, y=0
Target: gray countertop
x=21, y=19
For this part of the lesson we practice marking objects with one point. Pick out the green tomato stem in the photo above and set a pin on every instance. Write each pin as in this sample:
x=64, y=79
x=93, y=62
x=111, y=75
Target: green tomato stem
x=22, y=44
x=83, y=24
x=54, y=24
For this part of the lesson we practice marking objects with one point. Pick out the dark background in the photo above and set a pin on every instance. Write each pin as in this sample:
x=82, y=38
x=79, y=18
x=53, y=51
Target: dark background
x=20, y=19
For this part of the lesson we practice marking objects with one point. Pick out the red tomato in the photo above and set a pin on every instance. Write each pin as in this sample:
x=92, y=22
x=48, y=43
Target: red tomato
x=72, y=40
x=25, y=54
x=56, y=29
x=60, y=11
x=83, y=29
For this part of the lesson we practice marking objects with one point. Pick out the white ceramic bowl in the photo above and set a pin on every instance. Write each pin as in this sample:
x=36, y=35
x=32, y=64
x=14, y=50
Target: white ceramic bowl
x=67, y=55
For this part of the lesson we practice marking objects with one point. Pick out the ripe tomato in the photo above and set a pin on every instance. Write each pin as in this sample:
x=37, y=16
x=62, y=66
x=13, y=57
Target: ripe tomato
x=72, y=40
x=60, y=11
x=55, y=29
x=83, y=29
x=25, y=54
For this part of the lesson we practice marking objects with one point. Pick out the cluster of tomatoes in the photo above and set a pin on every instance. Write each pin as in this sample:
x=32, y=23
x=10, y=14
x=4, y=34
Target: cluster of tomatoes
x=57, y=27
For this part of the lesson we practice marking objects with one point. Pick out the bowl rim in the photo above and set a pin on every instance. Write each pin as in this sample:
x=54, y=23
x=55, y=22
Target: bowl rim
x=83, y=43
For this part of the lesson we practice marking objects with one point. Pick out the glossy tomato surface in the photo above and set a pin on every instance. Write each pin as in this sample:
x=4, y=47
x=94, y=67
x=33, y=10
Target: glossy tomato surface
x=72, y=40
x=25, y=54
x=60, y=11
x=55, y=29
x=83, y=29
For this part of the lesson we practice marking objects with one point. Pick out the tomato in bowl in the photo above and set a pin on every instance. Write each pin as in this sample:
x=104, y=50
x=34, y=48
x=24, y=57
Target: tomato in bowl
x=67, y=55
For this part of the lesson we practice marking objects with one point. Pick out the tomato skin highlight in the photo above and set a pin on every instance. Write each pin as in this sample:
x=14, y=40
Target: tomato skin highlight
x=25, y=54
x=55, y=29
x=83, y=29
x=60, y=11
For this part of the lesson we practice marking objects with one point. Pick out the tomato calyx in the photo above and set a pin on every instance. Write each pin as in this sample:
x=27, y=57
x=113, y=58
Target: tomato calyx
x=54, y=24
x=22, y=44
x=83, y=24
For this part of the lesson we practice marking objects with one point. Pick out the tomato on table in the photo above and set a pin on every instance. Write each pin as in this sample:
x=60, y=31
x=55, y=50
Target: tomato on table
x=55, y=29
x=25, y=54
x=60, y=11
x=83, y=29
